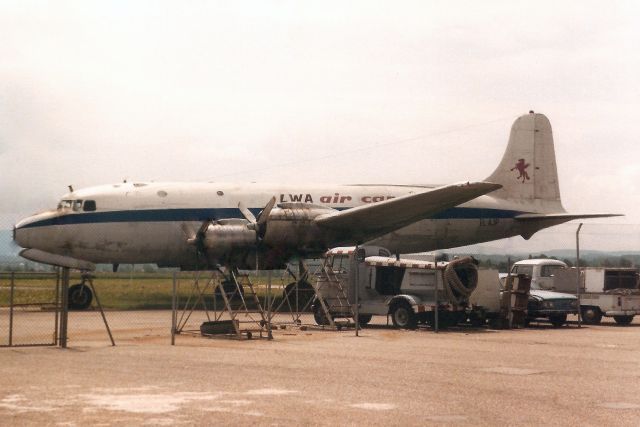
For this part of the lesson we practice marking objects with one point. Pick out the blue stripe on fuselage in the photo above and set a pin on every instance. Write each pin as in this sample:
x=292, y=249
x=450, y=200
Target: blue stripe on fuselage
x=203, y=214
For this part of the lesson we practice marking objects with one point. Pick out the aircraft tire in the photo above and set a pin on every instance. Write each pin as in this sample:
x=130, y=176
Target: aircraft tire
x=80, y=297
x=623, y=320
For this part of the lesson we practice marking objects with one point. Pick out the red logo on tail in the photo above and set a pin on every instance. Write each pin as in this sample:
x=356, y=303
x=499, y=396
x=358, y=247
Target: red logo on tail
x=521, y=167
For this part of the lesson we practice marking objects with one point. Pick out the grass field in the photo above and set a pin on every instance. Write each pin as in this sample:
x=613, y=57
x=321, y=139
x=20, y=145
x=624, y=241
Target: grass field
x=125, y=291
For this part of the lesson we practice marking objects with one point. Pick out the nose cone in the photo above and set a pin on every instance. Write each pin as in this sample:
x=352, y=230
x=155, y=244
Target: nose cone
x=20, y=234
x=23, y=231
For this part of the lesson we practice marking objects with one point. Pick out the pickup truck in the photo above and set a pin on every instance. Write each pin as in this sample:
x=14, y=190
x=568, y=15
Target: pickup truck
x=544, y=303
x=603, y=291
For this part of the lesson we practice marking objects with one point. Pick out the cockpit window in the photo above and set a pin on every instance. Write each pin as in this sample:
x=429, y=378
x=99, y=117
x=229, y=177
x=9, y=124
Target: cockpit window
x=65, y=204
x=77, y=205
x=89, y=205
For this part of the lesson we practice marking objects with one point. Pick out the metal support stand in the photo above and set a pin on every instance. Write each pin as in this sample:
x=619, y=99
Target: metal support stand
x=268, y=304
x=64, y=306
x=86, y=277
x=237, y=313
x=291, y=295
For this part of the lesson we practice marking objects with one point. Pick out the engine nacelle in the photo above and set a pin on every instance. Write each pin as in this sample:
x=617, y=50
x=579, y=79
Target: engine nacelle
x=291, y=226
x=229, y=236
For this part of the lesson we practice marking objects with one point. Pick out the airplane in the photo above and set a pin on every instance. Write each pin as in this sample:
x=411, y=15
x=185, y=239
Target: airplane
x=195, y=226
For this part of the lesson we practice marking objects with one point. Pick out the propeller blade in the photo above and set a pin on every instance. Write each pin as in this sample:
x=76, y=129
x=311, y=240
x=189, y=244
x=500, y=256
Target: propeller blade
x=189, y=232
x=15, y=247
x=264, y=215
x=246, y=213
x=203, y=228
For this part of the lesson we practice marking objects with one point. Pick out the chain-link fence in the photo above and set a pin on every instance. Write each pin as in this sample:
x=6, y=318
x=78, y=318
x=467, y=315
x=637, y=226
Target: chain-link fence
x=29, y=308
x=141, y=307
x=138, y=300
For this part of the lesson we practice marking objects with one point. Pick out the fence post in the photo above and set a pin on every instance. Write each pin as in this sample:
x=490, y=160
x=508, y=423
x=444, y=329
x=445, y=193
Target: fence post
x=269, y=304
x=65, y=307
x=173, y=310
x=578, y=279
x=13, y=282
x=357, y=291
x=57, y=308
x=436, y=313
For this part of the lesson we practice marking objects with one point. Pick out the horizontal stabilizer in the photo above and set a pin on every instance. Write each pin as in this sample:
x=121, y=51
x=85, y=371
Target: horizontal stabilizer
x=531, y=223
x=56, y=260
x=563, y=216
x=372, y=220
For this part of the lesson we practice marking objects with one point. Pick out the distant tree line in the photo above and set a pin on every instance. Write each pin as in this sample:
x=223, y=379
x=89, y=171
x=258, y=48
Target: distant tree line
x=501, y=262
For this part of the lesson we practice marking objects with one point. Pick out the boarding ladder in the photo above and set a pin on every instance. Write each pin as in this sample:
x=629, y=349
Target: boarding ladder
x=332, y=297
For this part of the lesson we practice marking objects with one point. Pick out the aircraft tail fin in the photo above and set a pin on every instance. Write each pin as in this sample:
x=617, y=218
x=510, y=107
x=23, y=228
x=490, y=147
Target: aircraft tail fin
x=528, y=171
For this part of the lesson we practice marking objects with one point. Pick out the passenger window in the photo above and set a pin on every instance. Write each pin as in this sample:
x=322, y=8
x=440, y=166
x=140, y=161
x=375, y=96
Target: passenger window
x=89, y=206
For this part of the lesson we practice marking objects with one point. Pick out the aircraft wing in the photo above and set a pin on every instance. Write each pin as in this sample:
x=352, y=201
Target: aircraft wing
x=369, y=221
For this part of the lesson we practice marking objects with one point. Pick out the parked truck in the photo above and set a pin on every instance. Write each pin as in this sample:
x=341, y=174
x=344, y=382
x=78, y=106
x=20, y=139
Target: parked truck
x=544, y=301
x=608, y=291
x=602, y=291
x=406, y=289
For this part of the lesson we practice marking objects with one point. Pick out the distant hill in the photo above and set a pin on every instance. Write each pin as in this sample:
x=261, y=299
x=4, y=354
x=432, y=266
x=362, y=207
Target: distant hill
x=7, y=247
x=587, y=258
x=9, y=253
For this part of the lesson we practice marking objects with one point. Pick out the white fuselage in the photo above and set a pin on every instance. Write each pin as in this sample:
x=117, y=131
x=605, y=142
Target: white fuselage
x=144, y=223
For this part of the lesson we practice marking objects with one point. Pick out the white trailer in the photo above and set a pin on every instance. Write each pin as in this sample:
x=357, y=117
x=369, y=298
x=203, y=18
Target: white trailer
x=408, y=290
x=607, y=291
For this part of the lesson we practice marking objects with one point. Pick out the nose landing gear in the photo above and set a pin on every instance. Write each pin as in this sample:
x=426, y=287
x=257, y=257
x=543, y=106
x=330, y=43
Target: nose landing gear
x=80, y=296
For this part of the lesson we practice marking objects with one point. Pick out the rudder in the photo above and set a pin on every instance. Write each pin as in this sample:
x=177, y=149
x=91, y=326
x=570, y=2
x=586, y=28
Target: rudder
x=528, y=171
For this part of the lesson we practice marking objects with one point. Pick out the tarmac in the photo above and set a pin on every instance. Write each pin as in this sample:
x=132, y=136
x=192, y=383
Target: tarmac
x=463, y=376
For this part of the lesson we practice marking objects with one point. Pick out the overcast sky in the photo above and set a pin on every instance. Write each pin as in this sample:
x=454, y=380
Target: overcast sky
x=301, y=91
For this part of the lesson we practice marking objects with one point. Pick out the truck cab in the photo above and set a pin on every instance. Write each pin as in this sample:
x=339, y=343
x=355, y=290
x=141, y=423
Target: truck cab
x=541, y=271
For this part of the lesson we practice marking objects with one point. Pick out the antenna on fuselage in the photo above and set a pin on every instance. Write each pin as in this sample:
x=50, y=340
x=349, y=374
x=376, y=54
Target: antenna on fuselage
x=70, y=188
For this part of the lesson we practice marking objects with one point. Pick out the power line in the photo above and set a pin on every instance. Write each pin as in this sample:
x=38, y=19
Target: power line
x=365, y=148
